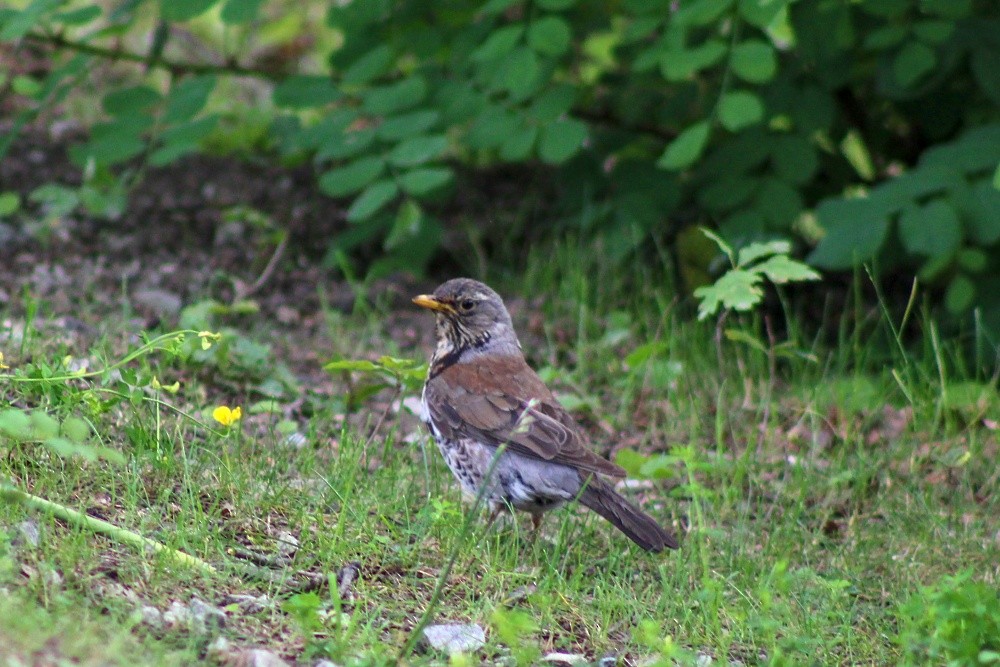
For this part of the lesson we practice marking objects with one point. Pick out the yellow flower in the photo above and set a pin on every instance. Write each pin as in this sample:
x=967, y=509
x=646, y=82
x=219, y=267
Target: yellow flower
x=207, y=338
x=2, y=364
x=225, y=416
x=172, y=388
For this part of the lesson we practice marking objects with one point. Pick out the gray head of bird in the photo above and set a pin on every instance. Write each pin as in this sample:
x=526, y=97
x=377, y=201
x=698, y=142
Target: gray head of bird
x=470, y=316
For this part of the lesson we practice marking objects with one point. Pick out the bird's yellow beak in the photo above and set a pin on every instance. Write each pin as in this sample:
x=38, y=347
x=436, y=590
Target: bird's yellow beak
x=429, y=302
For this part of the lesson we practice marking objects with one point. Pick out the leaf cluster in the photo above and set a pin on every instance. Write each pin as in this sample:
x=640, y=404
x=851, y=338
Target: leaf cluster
x=869, y=131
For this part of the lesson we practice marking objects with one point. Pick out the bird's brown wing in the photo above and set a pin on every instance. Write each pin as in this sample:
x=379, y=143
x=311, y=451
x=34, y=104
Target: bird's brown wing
x=501, y=400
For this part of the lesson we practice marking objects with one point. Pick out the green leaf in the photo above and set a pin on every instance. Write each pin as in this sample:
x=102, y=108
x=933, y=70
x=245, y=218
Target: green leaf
x=518, y=145
x=984, y=217
x=499, y=43
x=727, y=192
x=779, y=203
x=913, y=61
x=794, y=158
x=131, y=99
x=761, y=13
x=985, y=65
x=184, y=10
x=422, y=181
x=22, y=22
x=240, y=12
x=561, y=140
x=345, y=143
x=549, y=35
x=754, y=251
x=372, y=64
x=738, y=336
x=933, y=229
x=10, y=202
x=686, y=148
x=80, y=16
x=351, y=177
x=406, y=227
x=407, y=125
x=856, y=152
x=497, y=6
x=395, y=97
x=754, y=61
x=191, y=131
x=973, y=260
x=553, y=102
x=700, y=12
x=682, y=64
x=886, y=37
x=302, y=91
x=418, y=150
x=960, y=294
x=164, y=155
x=188, y=98
x=371, y=201
x=492, y=127
x=43, y=426
x=519, y=72
x=781, y=269
x=934, y=31
x=76, y=429
x=737, y=289
x=739, y=109
x=855, y=230
x=15, y=424
x=555, y=5
x=108, y=151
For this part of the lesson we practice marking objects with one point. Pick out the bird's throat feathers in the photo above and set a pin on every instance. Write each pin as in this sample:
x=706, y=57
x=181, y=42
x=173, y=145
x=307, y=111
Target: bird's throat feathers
x=458, y=344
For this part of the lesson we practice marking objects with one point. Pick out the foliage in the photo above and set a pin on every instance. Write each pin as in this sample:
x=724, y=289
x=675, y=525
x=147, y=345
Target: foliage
x=869, y=129
x=739, y=287
x=955, y=621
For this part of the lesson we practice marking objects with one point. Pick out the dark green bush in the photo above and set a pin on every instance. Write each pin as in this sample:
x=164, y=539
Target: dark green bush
x=869, y=131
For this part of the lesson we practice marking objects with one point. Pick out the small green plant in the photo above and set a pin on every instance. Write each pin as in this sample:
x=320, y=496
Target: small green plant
x=516, y=627
x=92, y=392
x=397, y=374
x=739, y=288
x=665, y=651
x=954, y=621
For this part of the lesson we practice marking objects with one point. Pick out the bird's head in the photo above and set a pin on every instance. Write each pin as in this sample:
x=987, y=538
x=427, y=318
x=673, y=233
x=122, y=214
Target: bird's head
x=470, y=315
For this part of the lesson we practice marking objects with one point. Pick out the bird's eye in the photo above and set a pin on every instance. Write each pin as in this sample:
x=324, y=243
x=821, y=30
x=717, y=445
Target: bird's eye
x=467, y=304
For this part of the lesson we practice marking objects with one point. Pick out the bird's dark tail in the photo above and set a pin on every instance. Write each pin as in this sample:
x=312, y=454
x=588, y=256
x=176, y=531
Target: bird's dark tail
x=626, y=517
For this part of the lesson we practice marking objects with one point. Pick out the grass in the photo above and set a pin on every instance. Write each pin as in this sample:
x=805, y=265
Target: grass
x=815, y=496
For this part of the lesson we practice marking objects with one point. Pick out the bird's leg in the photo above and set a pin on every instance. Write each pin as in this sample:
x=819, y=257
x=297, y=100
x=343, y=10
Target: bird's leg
x=495, y=509
x=536, y=525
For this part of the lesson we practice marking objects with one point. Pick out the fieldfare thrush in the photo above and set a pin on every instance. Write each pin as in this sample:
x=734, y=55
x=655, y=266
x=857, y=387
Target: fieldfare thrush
x=480, y=394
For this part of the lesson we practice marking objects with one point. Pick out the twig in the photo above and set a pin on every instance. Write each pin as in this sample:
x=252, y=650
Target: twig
x=166, y=63
x=71, y=516
x=268, y=270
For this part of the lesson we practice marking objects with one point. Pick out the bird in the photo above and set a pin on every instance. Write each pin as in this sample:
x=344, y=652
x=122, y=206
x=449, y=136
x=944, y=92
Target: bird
x=481, y=394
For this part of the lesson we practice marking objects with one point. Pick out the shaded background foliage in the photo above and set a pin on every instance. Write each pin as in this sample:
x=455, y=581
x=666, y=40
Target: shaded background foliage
x=865, y=132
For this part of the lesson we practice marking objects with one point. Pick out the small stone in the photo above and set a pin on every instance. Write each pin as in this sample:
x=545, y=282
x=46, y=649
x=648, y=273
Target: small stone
x=151, y=616
x=346, y=577
x=161, y=302
x=325, y=663
x=197, y=616
x=28, y=535
x=288, y=544
x=565, y=658
x=205, y=615
x=257, y=657
x=455, y=637
x=248, y=604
